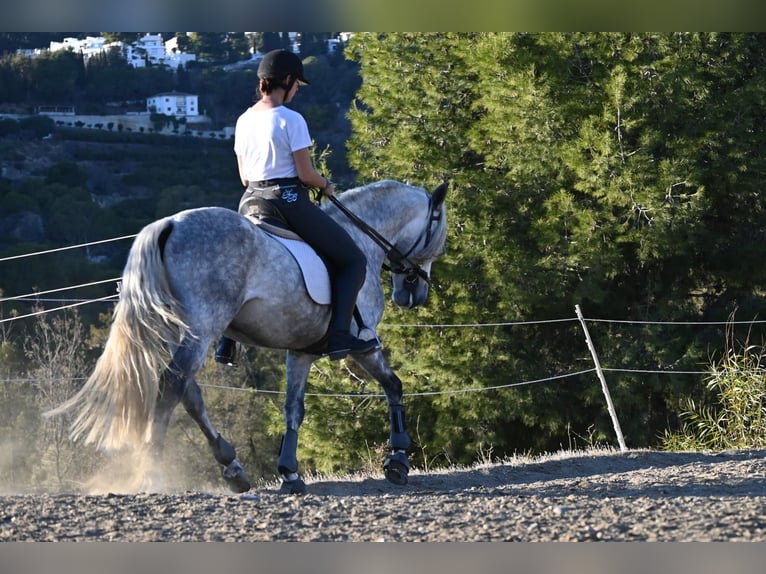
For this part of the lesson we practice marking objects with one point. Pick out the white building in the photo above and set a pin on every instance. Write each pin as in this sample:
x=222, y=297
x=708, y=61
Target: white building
x=152, y=46
x=89, y=46
x=175, y=57
x=175, y=104
x=149, y=49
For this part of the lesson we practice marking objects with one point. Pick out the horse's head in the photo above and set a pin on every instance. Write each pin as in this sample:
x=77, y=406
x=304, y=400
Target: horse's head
x=411, y=270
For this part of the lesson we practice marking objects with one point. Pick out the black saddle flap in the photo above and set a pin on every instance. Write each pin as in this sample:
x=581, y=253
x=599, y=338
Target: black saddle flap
x=261, y=210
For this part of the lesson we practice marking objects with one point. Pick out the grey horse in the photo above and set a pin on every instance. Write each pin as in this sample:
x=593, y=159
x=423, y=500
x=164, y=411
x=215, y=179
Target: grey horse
x=191, y=276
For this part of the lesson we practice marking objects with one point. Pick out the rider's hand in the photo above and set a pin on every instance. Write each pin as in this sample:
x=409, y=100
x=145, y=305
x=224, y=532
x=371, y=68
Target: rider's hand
x=329, y=189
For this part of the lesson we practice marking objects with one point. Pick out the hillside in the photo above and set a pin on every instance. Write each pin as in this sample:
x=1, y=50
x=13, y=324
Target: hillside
x=77, y=186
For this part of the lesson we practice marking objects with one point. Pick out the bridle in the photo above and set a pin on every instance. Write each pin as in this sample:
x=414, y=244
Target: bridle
x=398, y=262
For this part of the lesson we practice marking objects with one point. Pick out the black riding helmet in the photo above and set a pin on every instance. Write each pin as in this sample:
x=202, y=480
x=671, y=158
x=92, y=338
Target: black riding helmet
x=279, y=63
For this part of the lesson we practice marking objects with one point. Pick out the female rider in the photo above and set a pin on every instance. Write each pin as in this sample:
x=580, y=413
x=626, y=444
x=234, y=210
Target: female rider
x=272, y=144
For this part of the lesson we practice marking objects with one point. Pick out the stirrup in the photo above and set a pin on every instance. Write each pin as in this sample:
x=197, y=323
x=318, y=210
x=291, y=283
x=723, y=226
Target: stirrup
x=350, y=345
x=228, y=361
x=226, y=352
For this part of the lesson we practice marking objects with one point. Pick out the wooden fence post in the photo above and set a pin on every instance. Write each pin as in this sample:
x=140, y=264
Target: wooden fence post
x=604, y=388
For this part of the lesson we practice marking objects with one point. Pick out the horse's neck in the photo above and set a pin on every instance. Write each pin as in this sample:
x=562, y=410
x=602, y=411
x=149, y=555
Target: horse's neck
x=385, y=215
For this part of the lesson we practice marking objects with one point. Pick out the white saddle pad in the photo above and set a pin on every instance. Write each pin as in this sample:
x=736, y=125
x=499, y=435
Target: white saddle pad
x=315, y=274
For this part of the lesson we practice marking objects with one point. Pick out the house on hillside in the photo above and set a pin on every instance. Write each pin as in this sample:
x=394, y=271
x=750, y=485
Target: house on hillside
x=177, y=104
x=150, y=49
x=174, y=56
x=88, y=46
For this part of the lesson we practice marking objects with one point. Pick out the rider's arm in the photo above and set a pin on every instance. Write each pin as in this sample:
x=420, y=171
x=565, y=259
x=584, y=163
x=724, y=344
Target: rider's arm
x=241, y=174
x=310, y=176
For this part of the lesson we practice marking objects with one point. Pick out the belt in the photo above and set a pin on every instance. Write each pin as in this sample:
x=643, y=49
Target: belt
x=276, y=181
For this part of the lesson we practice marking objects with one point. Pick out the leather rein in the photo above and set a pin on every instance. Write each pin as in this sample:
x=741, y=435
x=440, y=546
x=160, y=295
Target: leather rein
x=398, y=262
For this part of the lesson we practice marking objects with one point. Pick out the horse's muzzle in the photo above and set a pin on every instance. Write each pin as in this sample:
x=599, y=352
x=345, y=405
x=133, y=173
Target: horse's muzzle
x=411, y=292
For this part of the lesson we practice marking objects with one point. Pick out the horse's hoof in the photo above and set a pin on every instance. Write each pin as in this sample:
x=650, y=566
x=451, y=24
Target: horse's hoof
x=236, y=478
x=296, y=486
x=397, y=468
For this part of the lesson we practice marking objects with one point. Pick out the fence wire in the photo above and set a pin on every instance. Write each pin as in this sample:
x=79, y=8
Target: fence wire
x=35, y=297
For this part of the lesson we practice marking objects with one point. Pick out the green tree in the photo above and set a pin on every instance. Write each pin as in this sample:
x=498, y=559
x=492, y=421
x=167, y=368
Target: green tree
x=14, y=79
x=66, y=173
x=313, y=43
x=108, y=77
x=184, y=42
x=209, y=46
x=238, y=47
x=125, y=37
x=178, y=197
x=12, y=41
x=269, y=41
x=606, y=170
x=56, y=75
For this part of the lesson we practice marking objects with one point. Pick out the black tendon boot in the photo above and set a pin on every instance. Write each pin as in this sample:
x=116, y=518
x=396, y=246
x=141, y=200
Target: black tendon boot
x=226, y=351
x=342, y=343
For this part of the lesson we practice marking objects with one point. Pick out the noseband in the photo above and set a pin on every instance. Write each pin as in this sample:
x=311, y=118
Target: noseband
x=398, y=262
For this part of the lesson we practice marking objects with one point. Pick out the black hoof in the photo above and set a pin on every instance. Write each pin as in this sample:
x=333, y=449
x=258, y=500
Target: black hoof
x=296, y=486
x=236, y=478
x=397, y=468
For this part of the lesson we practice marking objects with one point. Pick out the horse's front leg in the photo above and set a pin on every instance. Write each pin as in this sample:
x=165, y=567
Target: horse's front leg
x=298, y=367
x=396, y=465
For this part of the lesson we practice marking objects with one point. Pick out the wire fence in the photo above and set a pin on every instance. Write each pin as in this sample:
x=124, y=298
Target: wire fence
x=36, y=297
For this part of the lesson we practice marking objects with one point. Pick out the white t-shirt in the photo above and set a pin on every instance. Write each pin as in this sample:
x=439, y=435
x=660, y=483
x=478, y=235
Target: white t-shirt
x=266, y=140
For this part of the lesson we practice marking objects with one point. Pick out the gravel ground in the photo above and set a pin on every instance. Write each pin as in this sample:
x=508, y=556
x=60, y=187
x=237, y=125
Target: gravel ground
x=588, y=496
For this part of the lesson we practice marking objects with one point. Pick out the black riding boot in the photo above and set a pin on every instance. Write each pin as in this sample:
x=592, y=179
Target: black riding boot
x=340, y=344
x=226, y=351
x=340, y=341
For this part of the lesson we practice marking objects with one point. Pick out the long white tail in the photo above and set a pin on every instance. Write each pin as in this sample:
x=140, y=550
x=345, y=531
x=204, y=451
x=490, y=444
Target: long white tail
x=115, y=407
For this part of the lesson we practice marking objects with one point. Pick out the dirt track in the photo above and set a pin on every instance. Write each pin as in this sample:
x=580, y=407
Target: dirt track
x=610, y=496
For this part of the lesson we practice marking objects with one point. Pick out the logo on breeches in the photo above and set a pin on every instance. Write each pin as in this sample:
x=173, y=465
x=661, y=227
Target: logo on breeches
x=289, y=194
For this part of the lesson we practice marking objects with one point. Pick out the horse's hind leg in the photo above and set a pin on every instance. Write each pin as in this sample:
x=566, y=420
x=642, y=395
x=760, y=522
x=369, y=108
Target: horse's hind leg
x=179, y=386
x=223, y=451
x=171, y=390
x=396, y=465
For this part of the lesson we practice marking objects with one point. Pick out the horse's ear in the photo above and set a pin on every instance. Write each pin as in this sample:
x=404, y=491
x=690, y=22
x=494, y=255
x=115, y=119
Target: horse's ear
x=437, y=197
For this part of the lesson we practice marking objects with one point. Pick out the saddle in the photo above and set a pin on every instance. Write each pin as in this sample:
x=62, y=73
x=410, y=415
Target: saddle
x=315, y=274
x=262, y=213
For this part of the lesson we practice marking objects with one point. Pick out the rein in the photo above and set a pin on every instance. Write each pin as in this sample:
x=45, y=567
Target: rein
x=398, y=262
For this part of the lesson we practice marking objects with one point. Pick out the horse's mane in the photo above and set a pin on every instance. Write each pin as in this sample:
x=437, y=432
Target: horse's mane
x=438, y=241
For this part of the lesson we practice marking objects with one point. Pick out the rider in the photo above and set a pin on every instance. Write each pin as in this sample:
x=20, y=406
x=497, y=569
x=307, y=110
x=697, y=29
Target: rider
x=272, y=145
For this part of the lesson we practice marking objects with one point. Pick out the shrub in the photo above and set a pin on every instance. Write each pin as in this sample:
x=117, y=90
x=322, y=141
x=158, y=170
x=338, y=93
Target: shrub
x=738, y=420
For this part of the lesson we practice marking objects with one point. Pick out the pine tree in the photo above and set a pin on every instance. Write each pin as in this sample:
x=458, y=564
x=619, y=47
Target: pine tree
x=620, y=172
